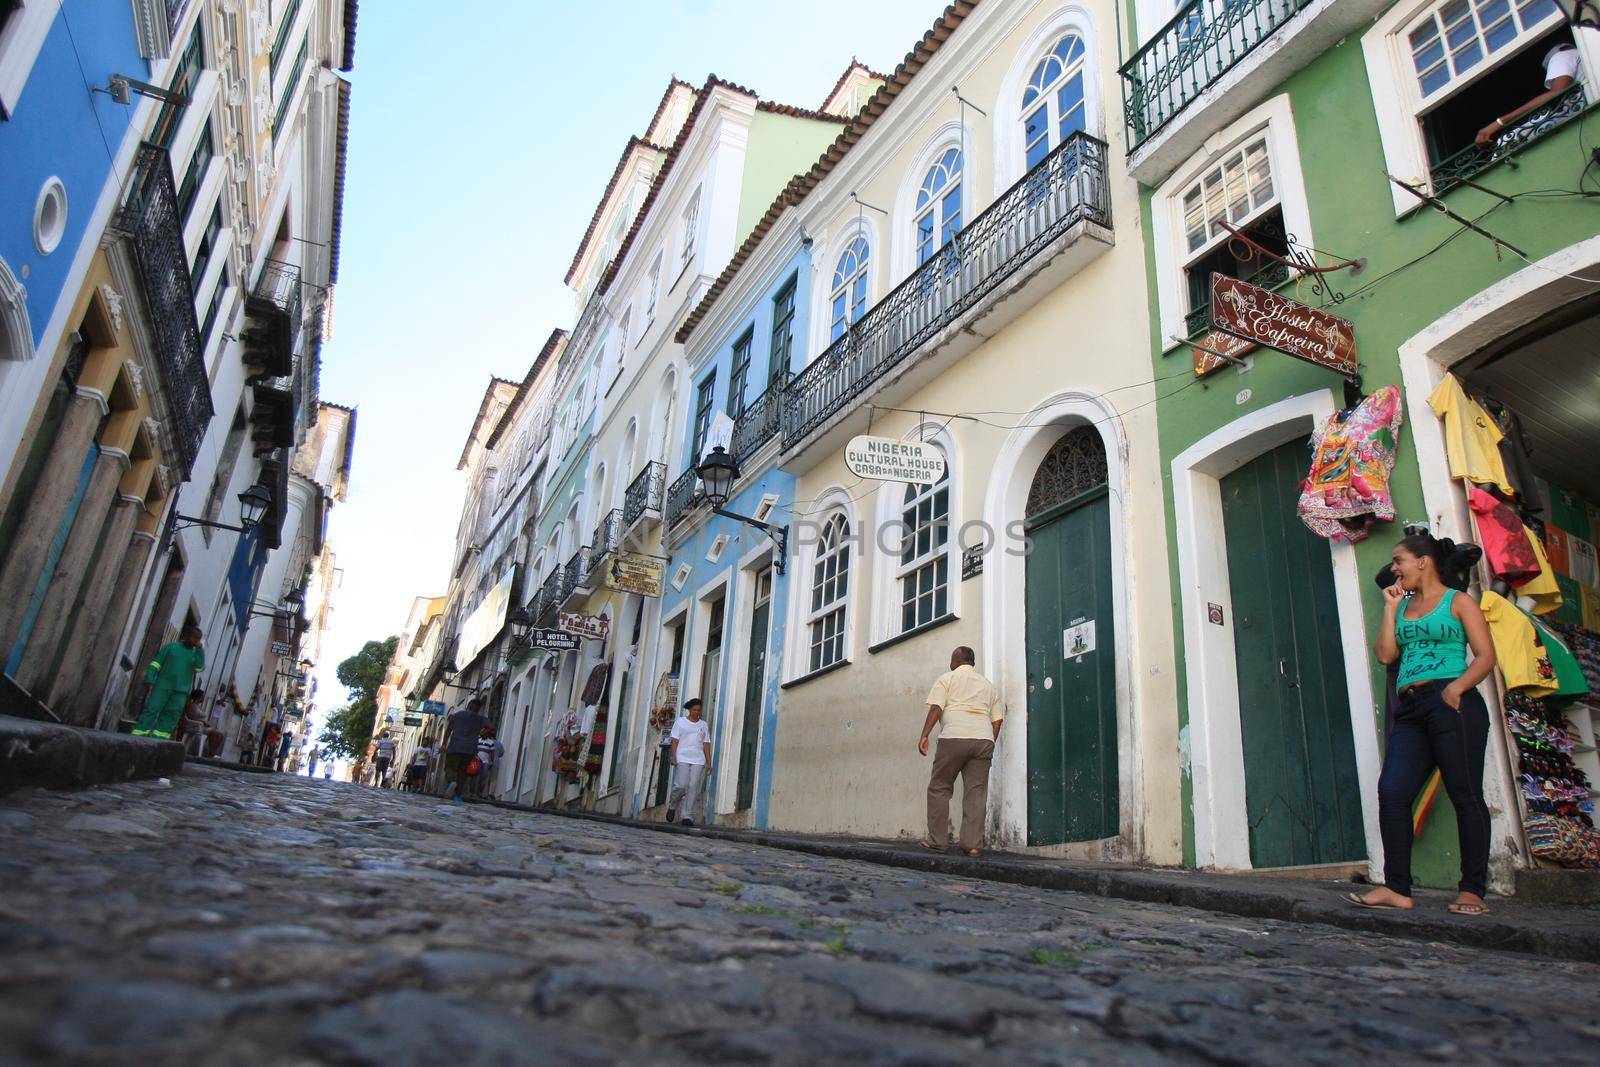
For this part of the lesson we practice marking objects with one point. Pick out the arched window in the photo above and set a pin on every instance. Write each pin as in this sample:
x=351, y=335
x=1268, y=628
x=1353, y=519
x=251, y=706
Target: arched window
x=924, y=566
x=1052, y=104
x=938, y=216
x=830, y=584
x=1074, y=465
x=849, y=299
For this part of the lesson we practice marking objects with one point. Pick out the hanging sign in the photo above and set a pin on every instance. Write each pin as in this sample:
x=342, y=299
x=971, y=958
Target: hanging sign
x=554, y=640
x=594, y=626
x=280, y=648
x=635, y=572
x=972, y=562
x=433, y=707
x=1210, y=350
x=888, y=459
x=413, y=720
x=1260, y=315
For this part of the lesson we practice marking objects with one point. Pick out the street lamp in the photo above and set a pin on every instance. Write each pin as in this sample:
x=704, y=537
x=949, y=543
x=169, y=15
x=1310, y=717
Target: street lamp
x=253, y=505
x=718, y=472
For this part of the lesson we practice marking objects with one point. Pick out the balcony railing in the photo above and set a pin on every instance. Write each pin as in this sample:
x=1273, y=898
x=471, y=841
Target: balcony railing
x=274, y=310
x=757, y=424
x=1200, y=44
x=645, y=494
x=149, y=219
x=607, y=539
x=1550, y=115
x=572, y=574
x=549, y=596
x=682, y=495
x=1068, y=187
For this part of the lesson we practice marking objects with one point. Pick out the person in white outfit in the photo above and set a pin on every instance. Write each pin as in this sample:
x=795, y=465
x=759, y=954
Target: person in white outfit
x=691, y=758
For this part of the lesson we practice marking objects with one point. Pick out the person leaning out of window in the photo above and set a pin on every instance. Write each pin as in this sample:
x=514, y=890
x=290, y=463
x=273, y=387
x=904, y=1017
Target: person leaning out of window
x=1560, y=71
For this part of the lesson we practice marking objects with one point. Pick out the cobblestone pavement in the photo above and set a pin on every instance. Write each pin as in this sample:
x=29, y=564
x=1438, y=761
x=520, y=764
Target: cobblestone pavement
x=256, y=919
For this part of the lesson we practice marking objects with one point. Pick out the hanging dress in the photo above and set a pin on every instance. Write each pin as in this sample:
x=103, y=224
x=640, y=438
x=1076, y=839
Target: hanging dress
x=1353, y=452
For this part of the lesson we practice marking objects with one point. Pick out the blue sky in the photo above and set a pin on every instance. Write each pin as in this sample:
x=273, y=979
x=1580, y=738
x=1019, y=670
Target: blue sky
x=479, y=145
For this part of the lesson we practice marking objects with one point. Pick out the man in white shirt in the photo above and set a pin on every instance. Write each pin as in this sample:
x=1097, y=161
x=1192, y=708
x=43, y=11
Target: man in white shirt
x=1560, y=72
x=966, y=707
x=382, y=756
x=691, y=758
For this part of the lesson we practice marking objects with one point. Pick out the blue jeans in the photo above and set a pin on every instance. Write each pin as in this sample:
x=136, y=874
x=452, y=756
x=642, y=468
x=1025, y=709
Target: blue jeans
x=1429, y=733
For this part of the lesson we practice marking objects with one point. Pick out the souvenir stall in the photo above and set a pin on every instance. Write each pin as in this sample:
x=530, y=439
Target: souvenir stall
x=1522, y=454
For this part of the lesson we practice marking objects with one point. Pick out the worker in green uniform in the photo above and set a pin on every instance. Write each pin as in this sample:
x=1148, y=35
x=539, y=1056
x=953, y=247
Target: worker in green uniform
x=167, y=683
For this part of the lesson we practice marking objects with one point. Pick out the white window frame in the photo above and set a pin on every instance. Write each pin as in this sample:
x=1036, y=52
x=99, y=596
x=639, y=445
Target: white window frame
x=933, y=208
x=840, y=605
x=1213, y=240
x=888, y=571
x=1010, y=153
x=1048, y=92
x=862, y=271
x=20, y=46
x=654, y=293
x=1283, y=148
x=624, y=325
x=691, y=228
x=903, y=571
x=1397, y=98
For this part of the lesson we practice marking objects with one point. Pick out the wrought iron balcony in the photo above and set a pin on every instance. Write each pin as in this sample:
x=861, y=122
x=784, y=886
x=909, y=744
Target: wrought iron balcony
x=682, y=495
x=549, y=601
x=644, y=496
x=757, y=424
x=572, y=575
x=1200, y=44
x=1550, y=115
x=1067, y=188
x=1270, y=276
x=607, y=539
x=273, y=326
x=149, y=220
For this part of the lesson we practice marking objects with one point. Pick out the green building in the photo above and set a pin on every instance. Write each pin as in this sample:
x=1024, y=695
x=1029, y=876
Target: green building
x=1285, y=121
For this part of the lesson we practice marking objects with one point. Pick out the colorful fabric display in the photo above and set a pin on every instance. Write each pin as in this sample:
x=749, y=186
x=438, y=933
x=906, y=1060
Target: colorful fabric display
x=1471, y=438
x=1522, y=660
x=1542, y=588
x=1353, y=452
x=1562, y=841
x=1581, y=561
x=1570, y=679
x=1503, y=537
x=1555, y=549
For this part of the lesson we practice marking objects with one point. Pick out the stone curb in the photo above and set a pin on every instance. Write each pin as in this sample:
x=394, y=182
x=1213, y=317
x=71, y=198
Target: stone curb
x=230, y=765
x=56, y=756
x=1180, y=888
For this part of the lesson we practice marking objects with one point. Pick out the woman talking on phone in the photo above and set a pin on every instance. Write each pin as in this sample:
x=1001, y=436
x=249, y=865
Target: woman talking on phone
x=1440, y=721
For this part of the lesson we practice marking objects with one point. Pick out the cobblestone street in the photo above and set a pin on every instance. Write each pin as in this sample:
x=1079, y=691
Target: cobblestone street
x=260, y=919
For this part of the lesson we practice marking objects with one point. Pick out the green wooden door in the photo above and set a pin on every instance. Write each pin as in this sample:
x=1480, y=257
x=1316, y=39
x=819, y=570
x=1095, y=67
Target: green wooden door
x=754, y=690
x=1301, y=789
x=1072, y=674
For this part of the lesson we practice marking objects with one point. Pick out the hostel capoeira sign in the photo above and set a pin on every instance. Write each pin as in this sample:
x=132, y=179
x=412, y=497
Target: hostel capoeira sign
x=1252, y=313
x=887, y=459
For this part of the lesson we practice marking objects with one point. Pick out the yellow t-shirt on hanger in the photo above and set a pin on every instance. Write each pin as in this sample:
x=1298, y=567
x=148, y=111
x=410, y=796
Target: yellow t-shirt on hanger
x=1471, y=438
x=1523, y=662
x=1543, y=589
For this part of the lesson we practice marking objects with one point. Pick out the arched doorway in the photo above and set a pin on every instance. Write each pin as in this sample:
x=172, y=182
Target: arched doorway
x=1071, y=633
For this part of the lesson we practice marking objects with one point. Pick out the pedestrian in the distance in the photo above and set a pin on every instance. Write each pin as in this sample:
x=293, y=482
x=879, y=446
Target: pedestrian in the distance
x=284, y=745
x=167, y=682
x=966, y=708
x=417, y=773
x=382, y=756
x=270, y=735
x=214, y=735
x=247, y=746
x=691, y=758
x=460, y=745
x=192, y=727
x=490, y=752
x=1440, y=719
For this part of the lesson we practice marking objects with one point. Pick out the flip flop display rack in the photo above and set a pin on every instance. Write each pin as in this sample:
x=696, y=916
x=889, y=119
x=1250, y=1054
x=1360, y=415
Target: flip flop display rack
x=1557, y=763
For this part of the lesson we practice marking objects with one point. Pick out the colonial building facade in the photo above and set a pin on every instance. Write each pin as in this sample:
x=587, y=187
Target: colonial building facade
x=185, y=258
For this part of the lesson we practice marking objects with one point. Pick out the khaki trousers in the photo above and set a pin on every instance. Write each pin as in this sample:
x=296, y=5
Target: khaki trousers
x=969, y=758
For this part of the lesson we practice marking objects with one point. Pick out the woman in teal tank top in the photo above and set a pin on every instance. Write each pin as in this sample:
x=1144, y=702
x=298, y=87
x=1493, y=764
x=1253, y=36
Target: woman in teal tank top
x=1439, y=719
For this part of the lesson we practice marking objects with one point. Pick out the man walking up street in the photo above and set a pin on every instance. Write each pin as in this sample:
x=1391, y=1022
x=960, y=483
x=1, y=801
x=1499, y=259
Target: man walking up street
x=691, y=758
x=460, y=745
x=966, y=707
x=167, y=683
x=382, y=756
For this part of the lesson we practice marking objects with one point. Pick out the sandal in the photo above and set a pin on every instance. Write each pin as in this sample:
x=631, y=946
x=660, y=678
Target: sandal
x=930, y=846
x=1468, y=907
x=1355, y=899
x=974, y=853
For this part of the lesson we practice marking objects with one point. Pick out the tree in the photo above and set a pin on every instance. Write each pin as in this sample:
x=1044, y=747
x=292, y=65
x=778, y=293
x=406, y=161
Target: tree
x=349, y=728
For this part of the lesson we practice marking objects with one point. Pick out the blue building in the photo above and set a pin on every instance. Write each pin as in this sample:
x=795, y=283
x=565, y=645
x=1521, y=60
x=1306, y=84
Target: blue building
x=58, y=140
x=723, y=609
